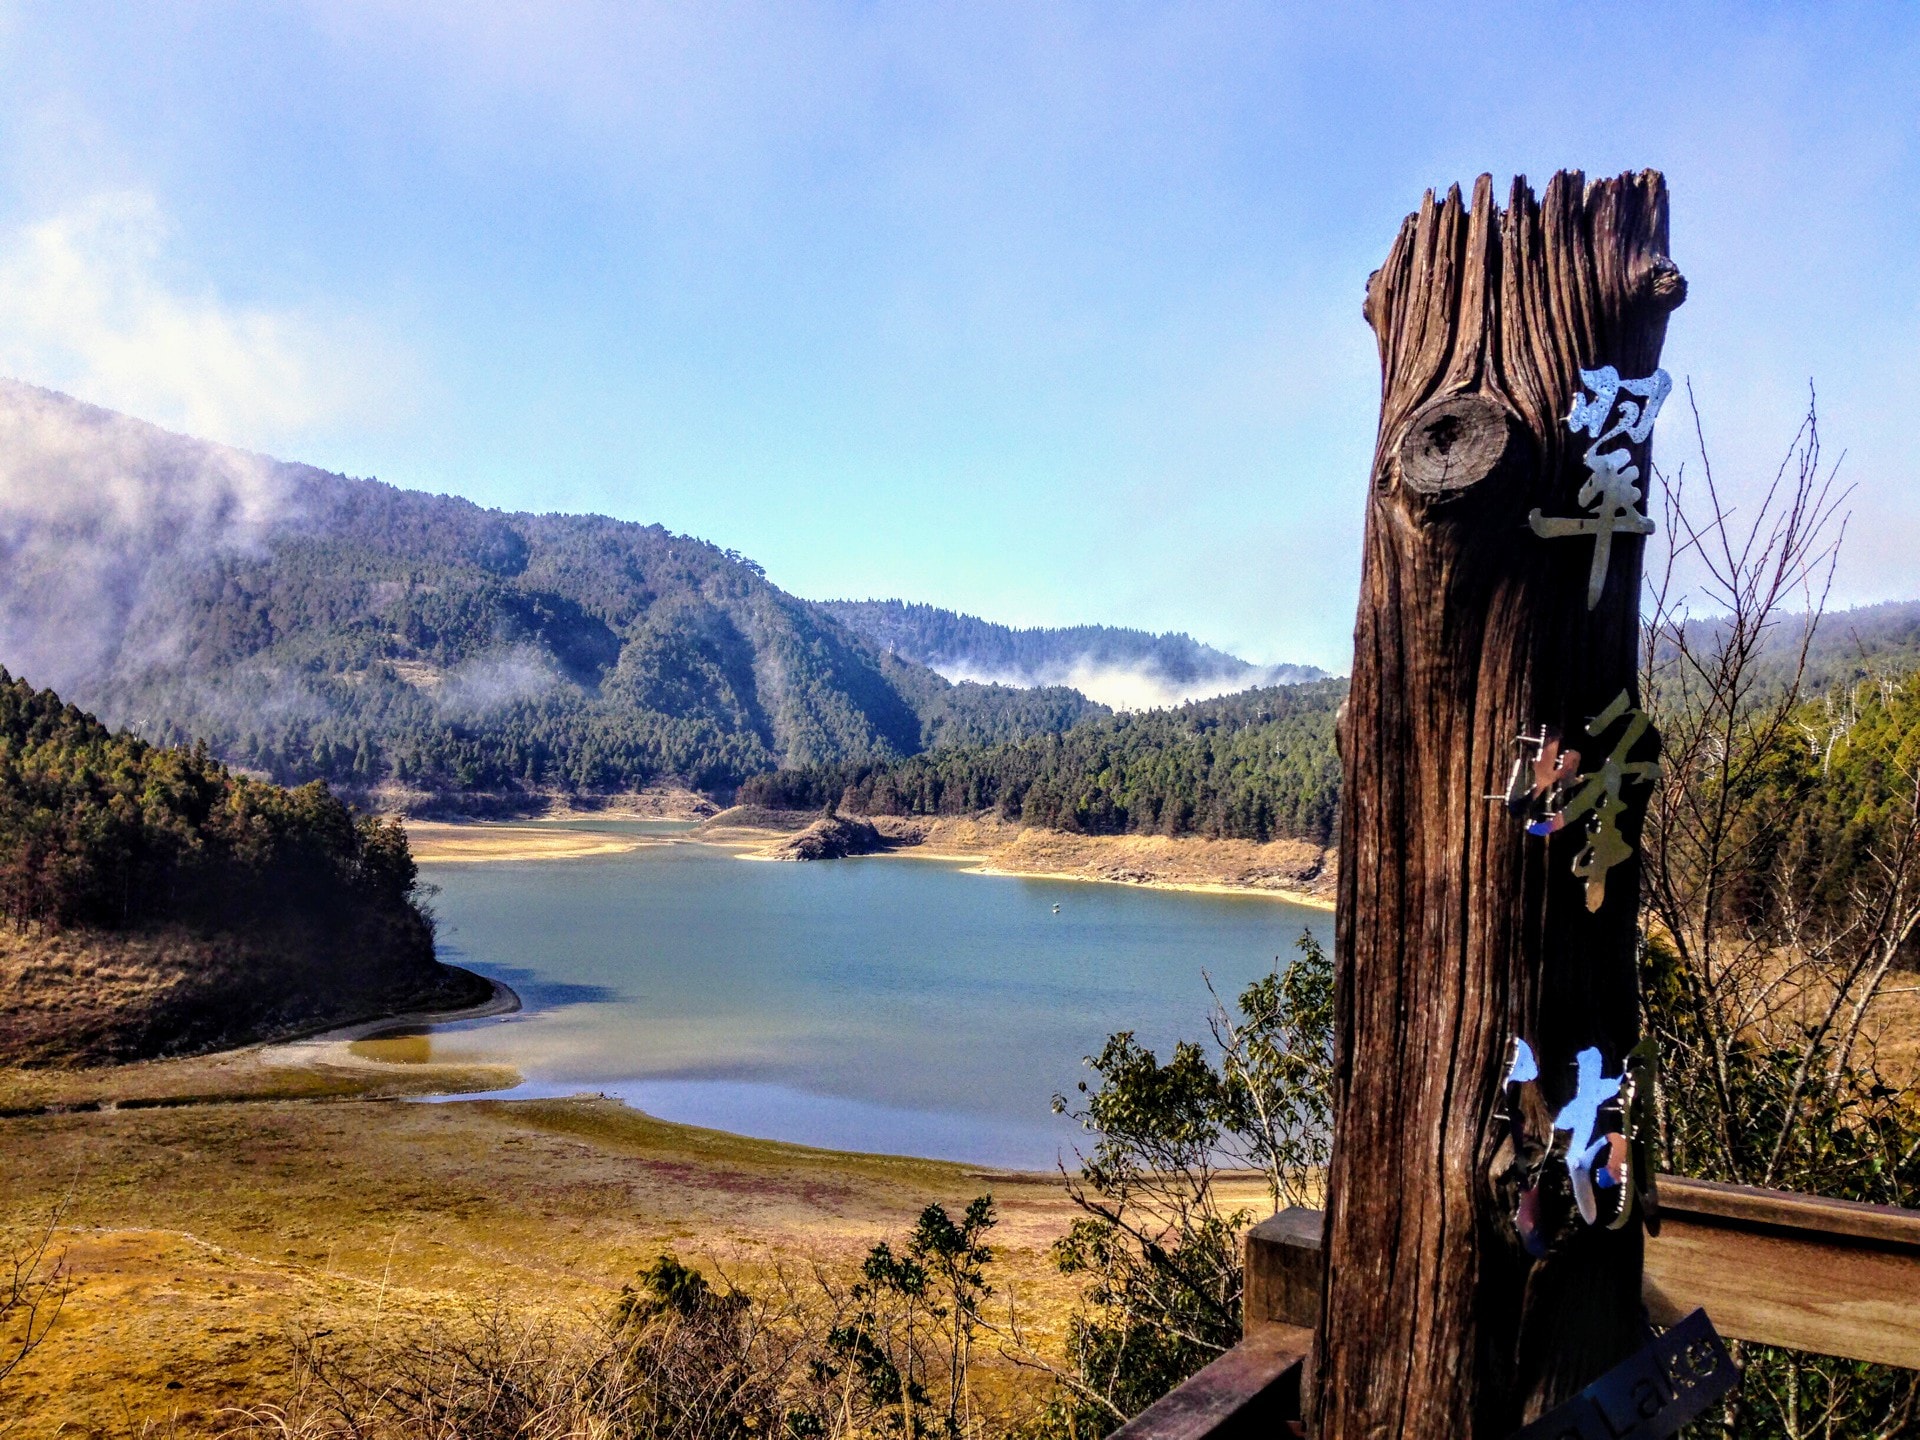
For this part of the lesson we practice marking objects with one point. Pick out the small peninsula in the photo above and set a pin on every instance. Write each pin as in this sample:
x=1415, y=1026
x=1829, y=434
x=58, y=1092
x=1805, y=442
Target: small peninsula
x=155, y=903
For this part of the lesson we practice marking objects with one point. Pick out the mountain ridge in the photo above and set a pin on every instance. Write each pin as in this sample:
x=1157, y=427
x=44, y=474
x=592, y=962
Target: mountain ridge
x=313, y=626
x=1117, y=665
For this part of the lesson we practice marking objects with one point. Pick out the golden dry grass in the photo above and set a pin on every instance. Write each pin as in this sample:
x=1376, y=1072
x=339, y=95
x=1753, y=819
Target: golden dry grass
x=441, y=843
x=197, y=1235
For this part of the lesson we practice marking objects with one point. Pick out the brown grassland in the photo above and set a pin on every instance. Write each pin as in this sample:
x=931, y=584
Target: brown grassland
x=212, y=1207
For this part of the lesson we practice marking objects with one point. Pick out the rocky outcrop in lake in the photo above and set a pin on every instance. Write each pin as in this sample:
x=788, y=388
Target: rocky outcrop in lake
x=832, y=837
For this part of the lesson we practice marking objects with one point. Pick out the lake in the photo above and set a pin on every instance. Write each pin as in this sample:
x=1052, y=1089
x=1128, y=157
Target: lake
x=883, y=1004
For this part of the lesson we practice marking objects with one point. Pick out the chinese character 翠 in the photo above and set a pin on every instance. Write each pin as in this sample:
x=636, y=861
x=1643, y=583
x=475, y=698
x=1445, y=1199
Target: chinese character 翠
x=1610, y=491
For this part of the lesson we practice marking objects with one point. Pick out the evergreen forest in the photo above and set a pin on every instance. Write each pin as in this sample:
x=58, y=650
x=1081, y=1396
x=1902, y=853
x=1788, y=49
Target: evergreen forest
x=1260, y=765
x=104, y=831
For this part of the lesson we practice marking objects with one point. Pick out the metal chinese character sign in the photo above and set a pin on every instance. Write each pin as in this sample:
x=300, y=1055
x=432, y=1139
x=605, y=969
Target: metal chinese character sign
x=1549, y=791
x=1602, y=1136
x=1611, y=490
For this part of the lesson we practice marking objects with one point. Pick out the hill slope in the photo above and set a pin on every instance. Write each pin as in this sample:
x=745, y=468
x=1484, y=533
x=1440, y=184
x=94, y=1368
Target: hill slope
x=1850, y=645
x=1128, y=668
x=1256, y=766
x=151, y=901
x=310, y=626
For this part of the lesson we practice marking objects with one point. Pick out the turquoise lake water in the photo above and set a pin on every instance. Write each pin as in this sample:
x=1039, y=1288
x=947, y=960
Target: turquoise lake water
x=883, y=1004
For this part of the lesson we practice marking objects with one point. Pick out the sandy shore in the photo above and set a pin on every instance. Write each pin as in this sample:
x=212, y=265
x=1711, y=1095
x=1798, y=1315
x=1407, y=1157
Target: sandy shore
x=442, y=842
x=1306, y=898
x=1296, y=871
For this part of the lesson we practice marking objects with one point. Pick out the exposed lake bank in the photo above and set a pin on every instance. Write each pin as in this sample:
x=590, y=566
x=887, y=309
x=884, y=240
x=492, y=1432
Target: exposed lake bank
x=1295, y=870
x=258, y=1194
x=1298, y=871
x=91, y=997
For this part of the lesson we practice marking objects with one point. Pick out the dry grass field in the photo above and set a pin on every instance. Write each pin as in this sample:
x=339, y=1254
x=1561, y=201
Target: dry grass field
x=297, y=1190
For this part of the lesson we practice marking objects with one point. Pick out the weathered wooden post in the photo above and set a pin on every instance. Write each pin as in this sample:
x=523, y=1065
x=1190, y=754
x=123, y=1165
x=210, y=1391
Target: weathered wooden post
x=1489, y=520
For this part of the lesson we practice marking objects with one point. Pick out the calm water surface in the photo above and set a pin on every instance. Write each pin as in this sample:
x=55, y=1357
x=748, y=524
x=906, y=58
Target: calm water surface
x=894, y=1005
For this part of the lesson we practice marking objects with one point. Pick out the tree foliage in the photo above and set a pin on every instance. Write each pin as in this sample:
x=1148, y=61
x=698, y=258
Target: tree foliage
x=1156, y=1245
x=104, y=830
x=1259, y=766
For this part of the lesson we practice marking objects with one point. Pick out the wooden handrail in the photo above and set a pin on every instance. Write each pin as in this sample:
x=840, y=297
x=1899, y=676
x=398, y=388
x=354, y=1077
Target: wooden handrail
x=1249, y=1393
x=1830, y=1276
x=1835, y=1277
x=1787, y=1211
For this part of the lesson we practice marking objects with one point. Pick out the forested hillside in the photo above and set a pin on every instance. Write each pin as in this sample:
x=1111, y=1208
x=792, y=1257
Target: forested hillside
x=309, y=626
x=1850, y=645
x=1259, y=766
x=962, y=644
x=274, y=905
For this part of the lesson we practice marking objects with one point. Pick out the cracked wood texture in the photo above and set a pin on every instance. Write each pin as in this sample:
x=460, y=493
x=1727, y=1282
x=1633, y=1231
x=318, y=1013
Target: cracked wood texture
x=1456, y=929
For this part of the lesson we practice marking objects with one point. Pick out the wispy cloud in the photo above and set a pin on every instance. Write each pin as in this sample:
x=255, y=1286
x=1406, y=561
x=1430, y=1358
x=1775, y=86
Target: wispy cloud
x=98, y=513
x=1128, y=687
x=491, y=682
x=89, y=303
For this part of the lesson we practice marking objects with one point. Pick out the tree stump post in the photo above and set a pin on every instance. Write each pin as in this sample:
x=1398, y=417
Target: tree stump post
x=1457, y=929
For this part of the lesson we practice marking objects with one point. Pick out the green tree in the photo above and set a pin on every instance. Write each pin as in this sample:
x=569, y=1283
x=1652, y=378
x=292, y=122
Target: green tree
x=1156, y=1244
x=1782, y=887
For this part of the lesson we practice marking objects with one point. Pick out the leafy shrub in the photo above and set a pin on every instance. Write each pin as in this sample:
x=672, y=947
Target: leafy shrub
x=1157, y=1246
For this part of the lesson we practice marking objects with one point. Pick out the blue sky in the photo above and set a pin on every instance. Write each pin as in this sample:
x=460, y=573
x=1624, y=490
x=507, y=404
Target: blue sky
x=1045, y=312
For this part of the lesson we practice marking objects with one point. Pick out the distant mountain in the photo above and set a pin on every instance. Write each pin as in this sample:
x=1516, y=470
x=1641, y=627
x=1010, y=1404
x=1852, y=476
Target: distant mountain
x=1128, y=669
x=1853, y=645
x=1848, y=646
x=311, y=626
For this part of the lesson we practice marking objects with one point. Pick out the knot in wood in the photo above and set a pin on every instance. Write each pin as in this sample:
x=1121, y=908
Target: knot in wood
x=1454, y=443
x=1663, y=284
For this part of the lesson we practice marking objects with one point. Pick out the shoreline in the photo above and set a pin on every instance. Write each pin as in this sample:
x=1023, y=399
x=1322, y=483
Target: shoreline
x=1303, y=898
x=504, y=1000
x=487, y=842
x=997, y=849
x=333, y=1050
x=983, y=865
x=315, y=1063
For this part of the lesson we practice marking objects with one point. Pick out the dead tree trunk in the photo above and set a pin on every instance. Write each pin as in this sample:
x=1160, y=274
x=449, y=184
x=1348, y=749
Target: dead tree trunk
x=1457, y=929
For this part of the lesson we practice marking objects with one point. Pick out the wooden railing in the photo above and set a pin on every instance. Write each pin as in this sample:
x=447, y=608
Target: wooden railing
x=1828, y=1276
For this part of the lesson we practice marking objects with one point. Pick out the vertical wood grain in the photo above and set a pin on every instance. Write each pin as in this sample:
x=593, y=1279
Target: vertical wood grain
x=1456, y=930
